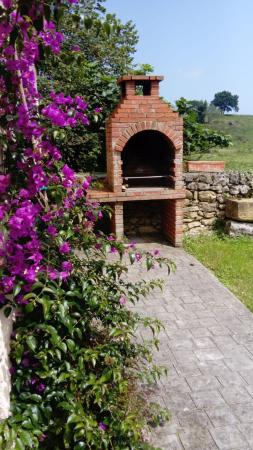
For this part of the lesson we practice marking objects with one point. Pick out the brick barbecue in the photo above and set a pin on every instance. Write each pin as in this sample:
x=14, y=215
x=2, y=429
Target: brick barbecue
x=144, y=147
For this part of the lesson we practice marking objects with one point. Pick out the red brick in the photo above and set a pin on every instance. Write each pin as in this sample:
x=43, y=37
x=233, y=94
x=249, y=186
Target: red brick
x=132, y=115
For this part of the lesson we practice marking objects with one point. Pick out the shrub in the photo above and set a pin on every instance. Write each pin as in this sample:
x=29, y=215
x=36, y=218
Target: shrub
x=74, y=360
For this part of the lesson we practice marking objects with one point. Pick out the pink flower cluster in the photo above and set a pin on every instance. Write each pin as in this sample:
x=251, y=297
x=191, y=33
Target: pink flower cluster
x=66, y=111
x=32, y=220
x=51, y=38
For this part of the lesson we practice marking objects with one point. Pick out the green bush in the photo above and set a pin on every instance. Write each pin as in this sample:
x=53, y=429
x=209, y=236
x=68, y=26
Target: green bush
x=75, y=362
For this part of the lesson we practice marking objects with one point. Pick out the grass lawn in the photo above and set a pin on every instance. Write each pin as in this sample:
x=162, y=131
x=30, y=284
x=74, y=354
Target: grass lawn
x=240, y=156
x=230, y=259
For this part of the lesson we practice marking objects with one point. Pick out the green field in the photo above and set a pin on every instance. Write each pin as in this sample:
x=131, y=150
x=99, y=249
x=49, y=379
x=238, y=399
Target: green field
x=240, y=155
x=230, y=259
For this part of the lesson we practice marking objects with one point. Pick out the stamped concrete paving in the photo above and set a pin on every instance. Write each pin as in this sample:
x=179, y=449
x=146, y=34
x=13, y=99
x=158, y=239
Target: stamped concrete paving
x=207, y=346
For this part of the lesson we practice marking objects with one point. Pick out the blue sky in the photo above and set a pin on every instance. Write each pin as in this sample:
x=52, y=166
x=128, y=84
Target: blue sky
x=200, y=46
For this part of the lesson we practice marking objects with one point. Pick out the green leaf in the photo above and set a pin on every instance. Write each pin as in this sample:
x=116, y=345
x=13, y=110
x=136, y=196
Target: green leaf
x=107, y=28
x=26, y=438
x=88, y=23
x=149, y=263
x=132, y=257
x=73, y=418
x=63, y=346
x=46, y=304
x=31, y=342
x=35, y=398
x=16, y=290
x=19, y=445
x=6, y=432
x=29, y=307
x=71, y=345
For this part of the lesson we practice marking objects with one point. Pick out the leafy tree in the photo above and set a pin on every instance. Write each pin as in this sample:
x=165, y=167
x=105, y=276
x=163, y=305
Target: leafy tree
x=200, y=107
x=225, y=101
x=198, y=138
x=142, y=69
x=97, y=47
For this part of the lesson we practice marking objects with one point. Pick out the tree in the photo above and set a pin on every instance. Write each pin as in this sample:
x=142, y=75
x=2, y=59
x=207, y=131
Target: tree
x=103, y=51
x=142, y=69
x=225, y=101
x=198, y=138
x=200, y=107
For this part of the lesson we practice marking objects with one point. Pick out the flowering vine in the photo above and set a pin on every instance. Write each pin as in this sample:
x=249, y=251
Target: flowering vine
x=71, y=349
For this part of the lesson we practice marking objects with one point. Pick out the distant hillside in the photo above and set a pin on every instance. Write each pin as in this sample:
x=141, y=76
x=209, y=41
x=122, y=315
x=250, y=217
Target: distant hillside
x=240, y=156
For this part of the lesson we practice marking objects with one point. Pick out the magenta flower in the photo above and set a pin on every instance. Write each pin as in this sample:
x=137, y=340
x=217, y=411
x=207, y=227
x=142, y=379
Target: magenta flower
x=7, y=283
x=5, y=30
x=122, y=300
x=41, y=388
x=52, y=274
x=4, y=183
x=69, y=174
x=51, y=37
x=67, y=266
x=24, y=193
x=61, y=99
x=138, y=256
x=38, y=178
x=47, y=217
x=102, y=426
x=80, y=103
x=21, y=301
x=65, y=248
x=52, y=230
x=30, y=275
x=98, y=109
x=42, y=437
x=64, y=275
x=7, y=3
x=86, y=183
x=55, y=114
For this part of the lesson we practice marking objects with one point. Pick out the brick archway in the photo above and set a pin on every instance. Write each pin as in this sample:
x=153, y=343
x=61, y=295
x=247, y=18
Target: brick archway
x=173, y=136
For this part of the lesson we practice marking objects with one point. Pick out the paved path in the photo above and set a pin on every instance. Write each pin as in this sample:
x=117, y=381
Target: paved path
x=208, y=347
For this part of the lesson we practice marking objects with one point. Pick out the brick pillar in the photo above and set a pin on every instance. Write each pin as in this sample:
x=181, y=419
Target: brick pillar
x=129, y=89
x=155, y=89
x=117, y=219
x=173, y=221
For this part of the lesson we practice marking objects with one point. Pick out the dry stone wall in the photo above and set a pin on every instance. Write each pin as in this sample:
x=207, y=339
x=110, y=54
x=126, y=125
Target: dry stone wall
x=206, y=194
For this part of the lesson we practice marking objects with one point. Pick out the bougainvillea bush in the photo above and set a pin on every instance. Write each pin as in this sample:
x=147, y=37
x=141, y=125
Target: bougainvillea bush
x=74, y=360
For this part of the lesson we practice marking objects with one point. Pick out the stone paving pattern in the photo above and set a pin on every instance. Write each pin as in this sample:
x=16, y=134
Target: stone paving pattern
x=207, y=346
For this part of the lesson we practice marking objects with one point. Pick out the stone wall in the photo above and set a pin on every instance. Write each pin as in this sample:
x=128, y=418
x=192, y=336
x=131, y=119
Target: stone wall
x=206, y=194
